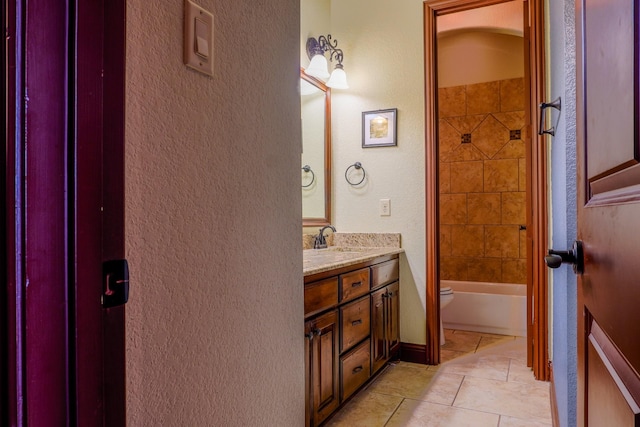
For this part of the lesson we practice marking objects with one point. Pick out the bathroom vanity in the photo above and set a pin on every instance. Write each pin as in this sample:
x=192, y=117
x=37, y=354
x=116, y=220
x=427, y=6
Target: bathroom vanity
x=351, y=305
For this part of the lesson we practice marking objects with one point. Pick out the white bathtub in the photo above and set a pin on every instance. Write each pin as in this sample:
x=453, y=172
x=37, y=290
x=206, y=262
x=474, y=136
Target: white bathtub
x=496, y=308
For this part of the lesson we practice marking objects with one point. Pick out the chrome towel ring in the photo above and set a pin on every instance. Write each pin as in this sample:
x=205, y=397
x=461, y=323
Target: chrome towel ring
x=356, y=166
x=307, y=169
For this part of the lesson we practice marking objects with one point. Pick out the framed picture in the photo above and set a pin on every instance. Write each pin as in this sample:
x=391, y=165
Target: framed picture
x=379, y=128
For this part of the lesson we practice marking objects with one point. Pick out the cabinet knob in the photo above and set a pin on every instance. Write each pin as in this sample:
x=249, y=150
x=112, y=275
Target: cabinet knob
x=318, y=332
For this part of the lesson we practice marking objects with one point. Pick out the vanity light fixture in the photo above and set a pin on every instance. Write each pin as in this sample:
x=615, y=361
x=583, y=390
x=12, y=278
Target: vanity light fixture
x=318, y=66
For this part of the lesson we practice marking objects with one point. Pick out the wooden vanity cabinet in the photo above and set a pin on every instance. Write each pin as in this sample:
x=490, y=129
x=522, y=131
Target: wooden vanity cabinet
x=385, y=328
x=323, y=386
x=351, y=330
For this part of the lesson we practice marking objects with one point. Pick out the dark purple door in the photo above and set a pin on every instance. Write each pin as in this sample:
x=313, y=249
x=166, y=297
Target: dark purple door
x=64, y=216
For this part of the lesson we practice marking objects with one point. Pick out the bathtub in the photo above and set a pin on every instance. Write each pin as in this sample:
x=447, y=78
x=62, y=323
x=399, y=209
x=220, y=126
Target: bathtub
x=496, y=308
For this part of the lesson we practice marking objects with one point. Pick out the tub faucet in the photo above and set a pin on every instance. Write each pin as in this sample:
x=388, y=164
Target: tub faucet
x=320, y=242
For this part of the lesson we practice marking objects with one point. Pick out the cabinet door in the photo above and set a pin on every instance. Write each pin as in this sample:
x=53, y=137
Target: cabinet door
x=324, y=360
x=378, y=343
x=392, y=319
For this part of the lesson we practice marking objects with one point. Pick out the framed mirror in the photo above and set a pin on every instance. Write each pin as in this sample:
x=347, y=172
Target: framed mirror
x=316, y=151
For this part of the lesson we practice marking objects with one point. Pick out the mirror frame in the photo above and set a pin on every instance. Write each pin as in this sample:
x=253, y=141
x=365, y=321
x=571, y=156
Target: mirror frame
x=311, y=222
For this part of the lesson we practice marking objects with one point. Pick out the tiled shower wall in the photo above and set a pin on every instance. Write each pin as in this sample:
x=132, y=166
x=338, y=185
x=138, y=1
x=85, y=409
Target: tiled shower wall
x=482, y=182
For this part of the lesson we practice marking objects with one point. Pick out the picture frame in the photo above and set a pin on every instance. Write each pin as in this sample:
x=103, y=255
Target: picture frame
x=380, y=128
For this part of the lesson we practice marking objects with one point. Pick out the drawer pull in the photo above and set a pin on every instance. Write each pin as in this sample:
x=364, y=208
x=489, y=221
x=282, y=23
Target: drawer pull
x=357, y=369
x=356, y=322
x=356, y=284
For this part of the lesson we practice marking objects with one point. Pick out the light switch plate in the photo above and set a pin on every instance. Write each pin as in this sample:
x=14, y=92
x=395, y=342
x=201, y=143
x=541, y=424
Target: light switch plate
x=385, y=207
x=198, y=38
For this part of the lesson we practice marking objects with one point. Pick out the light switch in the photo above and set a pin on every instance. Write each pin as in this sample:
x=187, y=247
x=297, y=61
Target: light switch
x=201, y=35
x=198, y=38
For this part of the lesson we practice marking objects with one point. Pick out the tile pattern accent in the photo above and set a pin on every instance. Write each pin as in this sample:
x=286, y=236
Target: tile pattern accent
x=483, y=381
x=482, y=182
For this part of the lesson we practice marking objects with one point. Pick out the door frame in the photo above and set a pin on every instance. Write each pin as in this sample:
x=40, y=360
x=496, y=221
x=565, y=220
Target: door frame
x=536, y=217
x=63, y=354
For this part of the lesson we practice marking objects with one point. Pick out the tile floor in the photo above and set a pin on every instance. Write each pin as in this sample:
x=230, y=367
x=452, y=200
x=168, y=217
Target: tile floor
x=483, y=381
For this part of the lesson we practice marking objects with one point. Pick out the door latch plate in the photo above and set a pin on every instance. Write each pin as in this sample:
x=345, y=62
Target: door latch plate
x=115, y=279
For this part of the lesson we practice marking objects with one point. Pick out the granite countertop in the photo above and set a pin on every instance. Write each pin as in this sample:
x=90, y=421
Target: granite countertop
x=333, y=257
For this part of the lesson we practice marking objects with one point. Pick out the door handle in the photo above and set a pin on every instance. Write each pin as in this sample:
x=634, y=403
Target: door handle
x=574, y=256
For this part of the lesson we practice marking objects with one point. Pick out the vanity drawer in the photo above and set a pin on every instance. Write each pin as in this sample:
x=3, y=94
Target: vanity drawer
x=355, y=368
x=354, y=284
x=320, y=295
x=355, y=320
x=384, y=273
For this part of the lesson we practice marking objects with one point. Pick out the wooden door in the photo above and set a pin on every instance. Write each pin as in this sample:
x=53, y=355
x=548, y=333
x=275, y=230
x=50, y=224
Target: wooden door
x=608, y=212
x=63, y=353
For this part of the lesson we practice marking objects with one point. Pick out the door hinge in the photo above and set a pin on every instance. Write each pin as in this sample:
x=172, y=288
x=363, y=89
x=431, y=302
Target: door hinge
x=115, y=276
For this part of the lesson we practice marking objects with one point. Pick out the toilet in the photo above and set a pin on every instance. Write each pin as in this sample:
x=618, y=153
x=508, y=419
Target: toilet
x=446, y=296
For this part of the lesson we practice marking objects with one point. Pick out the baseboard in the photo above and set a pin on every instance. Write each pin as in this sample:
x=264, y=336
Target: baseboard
x=555, y=417
x=415, y=353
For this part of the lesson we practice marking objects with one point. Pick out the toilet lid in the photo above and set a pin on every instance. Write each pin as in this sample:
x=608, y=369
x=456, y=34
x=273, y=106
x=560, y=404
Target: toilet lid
x=446, y=291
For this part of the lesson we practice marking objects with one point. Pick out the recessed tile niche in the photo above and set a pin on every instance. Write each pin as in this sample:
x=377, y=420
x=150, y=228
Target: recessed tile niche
x=482, y=182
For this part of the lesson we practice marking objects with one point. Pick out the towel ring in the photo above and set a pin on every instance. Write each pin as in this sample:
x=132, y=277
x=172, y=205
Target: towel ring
x=307, y=169
x=357, y=166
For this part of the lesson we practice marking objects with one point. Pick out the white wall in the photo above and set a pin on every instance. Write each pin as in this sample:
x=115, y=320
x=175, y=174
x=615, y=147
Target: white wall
x=383, y=59
x=213, y=219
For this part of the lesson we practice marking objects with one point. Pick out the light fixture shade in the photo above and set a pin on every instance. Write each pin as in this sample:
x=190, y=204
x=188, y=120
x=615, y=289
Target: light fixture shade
x=318, y=67
x=338, y=79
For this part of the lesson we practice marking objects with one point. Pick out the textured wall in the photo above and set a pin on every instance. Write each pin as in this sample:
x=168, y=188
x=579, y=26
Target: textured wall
x=482, y=182
x=562, y=82
x=213, y=218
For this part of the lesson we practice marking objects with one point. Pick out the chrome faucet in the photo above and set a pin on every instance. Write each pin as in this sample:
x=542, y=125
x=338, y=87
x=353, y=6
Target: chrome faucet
x=320, y=241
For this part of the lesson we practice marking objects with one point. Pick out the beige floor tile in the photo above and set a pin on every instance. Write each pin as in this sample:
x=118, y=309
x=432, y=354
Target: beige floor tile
x=526, y=401
x=491, y=340
x=461, y=340
x=366, y=410
x=442, y=389
x=447, y=355
x=519, y=372
x=467, y=388
x=404, y=380
x=413, y=413
x=517, y=422
x=513, y=349
x=490, y=366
